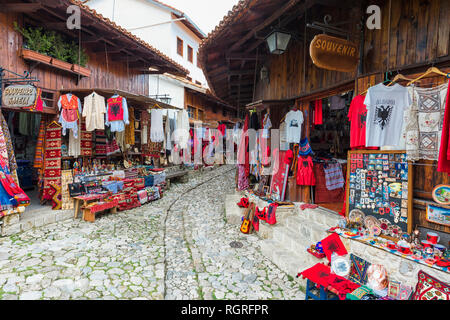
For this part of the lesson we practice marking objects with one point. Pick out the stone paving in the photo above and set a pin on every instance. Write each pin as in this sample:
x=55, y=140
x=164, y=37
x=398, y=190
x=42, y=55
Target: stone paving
x=175, y=248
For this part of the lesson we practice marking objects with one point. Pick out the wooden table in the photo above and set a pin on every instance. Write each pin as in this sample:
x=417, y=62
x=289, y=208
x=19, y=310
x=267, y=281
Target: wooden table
x=89, y=213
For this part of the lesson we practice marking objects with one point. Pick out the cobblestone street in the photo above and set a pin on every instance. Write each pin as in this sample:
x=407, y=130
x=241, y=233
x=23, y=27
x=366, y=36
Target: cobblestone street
x=174, y=248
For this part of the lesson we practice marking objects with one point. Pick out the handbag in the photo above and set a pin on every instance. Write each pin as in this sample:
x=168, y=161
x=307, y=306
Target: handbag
x=76, y=189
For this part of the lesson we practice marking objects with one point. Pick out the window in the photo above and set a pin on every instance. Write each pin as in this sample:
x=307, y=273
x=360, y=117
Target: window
x=200, y=115
x=189, y=78
x=190, y=54
x=198, y=82
x=179, y=46
x=191, y=112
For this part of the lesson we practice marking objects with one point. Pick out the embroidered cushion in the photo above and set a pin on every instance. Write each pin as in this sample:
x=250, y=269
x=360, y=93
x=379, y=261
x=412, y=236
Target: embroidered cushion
x=430, y=288
x=359, y=293
x=358, y=270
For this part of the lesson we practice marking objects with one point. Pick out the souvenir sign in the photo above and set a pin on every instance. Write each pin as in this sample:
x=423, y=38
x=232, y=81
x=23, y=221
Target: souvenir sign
x=441, y=194
x=19, y=96
x=333, y=53
x=438, y=215
x=380, y=190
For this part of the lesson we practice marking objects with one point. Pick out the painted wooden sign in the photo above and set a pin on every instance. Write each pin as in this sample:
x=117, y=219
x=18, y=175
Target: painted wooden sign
x=19, y=96
x=333, y=53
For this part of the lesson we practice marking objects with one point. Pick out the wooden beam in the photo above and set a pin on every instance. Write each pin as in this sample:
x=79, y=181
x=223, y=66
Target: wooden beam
x=299, y=11
x=266, y=23
x=20, y=7
x=242, y=56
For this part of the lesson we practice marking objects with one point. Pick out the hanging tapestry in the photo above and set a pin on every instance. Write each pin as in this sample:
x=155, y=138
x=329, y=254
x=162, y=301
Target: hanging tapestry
x=100, y=143
x=56, y=196
x=39, y=153
x=10, y=149
x=129, y=129
x=52, y=154
x=145, y=127
x=86, y=141
x=425, y=122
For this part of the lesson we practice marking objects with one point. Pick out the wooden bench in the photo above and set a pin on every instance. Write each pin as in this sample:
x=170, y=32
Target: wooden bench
x=175, y=175
x=90, y=211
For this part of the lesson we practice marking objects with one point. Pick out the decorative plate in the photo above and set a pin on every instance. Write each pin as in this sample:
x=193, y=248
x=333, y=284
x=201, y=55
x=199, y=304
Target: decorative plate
x=356, y=215
x=371, y=221
x=441, y=194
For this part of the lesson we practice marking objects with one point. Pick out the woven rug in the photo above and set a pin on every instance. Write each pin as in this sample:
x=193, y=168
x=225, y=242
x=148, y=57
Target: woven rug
x=100, y=143
x=86, y=141
x=56, y=196
x=52, y=162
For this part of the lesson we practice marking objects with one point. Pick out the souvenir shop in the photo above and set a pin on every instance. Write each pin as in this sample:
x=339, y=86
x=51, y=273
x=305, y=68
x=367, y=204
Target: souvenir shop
x=357, y=154
x=102, y=150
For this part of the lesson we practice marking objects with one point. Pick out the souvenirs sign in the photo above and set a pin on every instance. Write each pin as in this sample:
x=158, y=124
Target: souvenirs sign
x=333, y=53
x=19, y=96
x=378, y=187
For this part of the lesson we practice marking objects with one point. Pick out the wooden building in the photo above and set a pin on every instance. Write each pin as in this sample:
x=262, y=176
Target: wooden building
x=414, y=36
x=116, y=58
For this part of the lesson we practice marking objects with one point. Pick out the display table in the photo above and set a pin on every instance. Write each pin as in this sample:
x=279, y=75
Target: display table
x=320, y=276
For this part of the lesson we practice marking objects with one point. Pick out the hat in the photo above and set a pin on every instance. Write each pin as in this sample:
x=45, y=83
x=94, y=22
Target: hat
x=305, y=148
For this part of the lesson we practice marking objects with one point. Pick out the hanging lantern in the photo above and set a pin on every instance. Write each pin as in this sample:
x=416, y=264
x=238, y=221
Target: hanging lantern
x=278, y=41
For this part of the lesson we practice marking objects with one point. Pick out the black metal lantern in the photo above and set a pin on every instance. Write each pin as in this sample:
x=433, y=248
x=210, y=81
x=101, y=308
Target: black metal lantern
x=278, y=41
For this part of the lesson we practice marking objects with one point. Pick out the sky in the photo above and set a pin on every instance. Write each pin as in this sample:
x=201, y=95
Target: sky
x=206, y=14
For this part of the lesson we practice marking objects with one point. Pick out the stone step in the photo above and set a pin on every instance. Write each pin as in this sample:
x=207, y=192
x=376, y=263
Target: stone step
x=290, y=262
x=233, y=213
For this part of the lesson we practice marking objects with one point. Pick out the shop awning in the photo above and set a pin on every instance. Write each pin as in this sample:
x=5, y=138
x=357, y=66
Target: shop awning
x=133, y=99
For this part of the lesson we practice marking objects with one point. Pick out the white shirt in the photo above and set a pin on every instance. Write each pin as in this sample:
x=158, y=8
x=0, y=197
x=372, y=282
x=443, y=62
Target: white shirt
x=94, y=111
x=182, y=131
x=294, y=121
x=385, y=110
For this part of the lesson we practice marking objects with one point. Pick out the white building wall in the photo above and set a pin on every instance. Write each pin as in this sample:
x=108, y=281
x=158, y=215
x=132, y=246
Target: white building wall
x=160, y=84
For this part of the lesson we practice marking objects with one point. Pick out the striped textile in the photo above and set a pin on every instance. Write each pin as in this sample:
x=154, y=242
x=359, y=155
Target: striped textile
x=334, y=179
x=52, y=162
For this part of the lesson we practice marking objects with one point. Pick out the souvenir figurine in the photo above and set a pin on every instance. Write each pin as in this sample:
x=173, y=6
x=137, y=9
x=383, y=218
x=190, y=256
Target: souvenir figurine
x=429, y=252
x=415, y=237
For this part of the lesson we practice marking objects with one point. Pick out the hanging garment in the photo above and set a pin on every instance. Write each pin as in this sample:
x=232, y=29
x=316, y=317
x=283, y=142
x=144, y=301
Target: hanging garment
x=294, y=121
x=444, y=151
x=284, y=145
x=333, y=176
x=304, y=147
x=337, y=103
x=254, y=121
x=120, y=139
x=74, y=146
x=242, y=154
x=182, y=131
x=305, y=174
x=156, y=128
x=117, y=113
x=321, y=193
x=357, y=116
x=318, y=112
x=425, y=123
x=385, y=112
x=70, y=107
x=242, y=178
x=129, y=128
x=11, y=157
x=24, y=123
x=94, y=111
x=169, y=130
x=3, y=146
x=145, y=121
x=52, y=160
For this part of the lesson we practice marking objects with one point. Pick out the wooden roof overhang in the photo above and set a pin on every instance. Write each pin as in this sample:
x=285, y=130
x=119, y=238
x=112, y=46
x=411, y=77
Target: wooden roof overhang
x=98, y=33
x=134, y=100
x=212, y=98
x=233, y=52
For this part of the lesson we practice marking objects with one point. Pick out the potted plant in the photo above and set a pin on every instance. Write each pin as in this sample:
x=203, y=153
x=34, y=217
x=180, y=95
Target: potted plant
x=79, y=58
x=35, y=44
x=60, y=52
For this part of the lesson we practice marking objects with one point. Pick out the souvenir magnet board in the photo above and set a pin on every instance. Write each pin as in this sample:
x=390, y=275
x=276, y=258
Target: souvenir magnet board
x=379, y=184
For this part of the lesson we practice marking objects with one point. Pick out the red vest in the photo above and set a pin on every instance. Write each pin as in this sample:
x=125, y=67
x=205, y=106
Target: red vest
x=69, y=109
x=115, y=109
